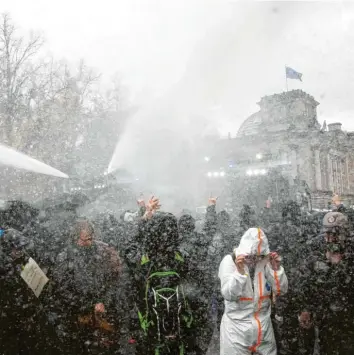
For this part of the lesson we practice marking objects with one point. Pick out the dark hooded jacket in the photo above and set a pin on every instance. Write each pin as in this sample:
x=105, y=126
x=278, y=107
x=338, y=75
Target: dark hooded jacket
x=194, y=249
x=85, y=276
x=326, y=291
x=247, y=218
x=289, y=239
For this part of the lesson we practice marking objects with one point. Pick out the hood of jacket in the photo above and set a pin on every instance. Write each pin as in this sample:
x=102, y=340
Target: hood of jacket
x=253, y=242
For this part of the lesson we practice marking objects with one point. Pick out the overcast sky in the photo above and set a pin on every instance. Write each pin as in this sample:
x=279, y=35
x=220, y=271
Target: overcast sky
x=227, y=54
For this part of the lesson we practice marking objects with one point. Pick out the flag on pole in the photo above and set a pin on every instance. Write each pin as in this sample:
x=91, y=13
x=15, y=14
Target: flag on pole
x=292, y=74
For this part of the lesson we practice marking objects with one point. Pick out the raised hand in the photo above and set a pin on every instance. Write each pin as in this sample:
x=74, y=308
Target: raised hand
x=240, y=264
x=275, y=260
x=212, y=200
x=153, y=204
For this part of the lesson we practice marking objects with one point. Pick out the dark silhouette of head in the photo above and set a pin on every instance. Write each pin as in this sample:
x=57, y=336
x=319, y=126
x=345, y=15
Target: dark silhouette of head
x=247, y=217
x=19, y=215
x=161, y=235
x=223, y=219
x=291, y=212
x=186, y=224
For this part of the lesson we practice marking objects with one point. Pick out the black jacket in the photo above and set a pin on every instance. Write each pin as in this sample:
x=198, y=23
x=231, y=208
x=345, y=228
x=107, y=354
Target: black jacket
x=85, y=276
x=25, y=327
x=326, y=290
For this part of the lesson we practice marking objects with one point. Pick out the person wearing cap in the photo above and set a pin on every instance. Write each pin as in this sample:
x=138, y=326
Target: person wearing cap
x=251, y=278
x=338, y=206
x=325, y=295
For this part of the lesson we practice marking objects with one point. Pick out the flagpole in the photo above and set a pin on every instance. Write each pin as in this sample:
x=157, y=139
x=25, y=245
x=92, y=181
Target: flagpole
x=286, y=80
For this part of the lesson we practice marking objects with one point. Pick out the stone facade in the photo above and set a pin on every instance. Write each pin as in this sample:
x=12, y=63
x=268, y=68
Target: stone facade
x=285, y=135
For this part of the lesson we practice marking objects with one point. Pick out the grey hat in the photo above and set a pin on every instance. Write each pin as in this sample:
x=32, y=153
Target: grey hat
x=335, y=220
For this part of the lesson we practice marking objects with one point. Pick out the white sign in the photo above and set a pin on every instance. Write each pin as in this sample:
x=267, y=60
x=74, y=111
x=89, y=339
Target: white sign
x=34, y=277
x=202, y=210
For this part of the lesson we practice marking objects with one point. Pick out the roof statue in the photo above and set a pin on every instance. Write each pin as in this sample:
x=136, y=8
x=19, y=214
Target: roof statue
x=324, y=126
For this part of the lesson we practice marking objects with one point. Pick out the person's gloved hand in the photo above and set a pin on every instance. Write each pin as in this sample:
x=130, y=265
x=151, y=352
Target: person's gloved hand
x=240, y=264
x=275, y=260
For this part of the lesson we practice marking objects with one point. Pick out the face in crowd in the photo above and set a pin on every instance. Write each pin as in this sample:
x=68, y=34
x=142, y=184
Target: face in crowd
x=335, y=232
x=85, y=234
x=334, y=245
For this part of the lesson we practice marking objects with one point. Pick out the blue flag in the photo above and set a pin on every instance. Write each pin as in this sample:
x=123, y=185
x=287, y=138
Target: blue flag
x=292, y=74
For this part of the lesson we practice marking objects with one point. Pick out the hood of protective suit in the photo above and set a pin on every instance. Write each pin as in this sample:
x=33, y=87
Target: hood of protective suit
x=253, y=242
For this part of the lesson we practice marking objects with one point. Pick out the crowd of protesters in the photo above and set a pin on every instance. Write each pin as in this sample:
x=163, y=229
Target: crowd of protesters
x=149, y=282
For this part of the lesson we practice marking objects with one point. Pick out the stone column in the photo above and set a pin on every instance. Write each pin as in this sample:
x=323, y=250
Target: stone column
x=293, y=158
x=347, y=171
x=318, y=169
x=336, y=176
x=330, y=173
x=342, y=175
x=293, y=163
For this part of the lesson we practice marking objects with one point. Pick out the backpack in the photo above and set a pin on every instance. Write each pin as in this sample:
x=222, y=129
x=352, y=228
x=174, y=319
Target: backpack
x=165, y=314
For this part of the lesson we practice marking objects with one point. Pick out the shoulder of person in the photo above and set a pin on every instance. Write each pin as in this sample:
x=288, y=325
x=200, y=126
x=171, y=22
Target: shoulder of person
x=104, y=247
x=101, y=244
x=108, y=250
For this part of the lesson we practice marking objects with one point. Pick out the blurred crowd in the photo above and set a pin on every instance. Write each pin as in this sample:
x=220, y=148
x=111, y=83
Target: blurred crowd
x=149, y=282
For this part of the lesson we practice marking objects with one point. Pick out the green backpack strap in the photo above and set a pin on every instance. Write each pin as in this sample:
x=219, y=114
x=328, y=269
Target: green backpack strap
x=144, y=260
x=179, y=257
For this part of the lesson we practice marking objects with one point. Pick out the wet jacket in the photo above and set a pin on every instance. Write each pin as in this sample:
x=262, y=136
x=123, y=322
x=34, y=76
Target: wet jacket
x=84, y=277
x=327, y=291
x=25, y=326
x=194, y=249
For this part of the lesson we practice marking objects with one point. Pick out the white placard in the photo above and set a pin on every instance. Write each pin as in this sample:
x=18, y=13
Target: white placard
x=34, y=277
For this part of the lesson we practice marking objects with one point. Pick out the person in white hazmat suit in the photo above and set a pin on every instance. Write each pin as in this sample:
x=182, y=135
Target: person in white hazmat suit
x=250, y=279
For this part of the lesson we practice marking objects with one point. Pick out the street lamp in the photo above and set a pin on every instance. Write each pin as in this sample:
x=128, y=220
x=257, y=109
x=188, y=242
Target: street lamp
x=259, y=156
x=206, y=159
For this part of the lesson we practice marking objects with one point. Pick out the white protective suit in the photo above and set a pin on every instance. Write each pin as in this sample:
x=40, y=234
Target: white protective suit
x=246, y=326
